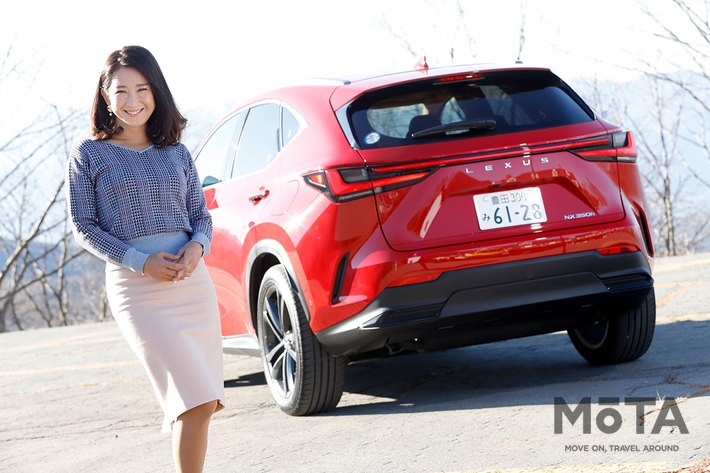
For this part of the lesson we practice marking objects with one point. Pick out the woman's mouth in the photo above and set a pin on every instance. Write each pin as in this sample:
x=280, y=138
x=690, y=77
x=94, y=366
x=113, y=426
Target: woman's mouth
x=133, y=113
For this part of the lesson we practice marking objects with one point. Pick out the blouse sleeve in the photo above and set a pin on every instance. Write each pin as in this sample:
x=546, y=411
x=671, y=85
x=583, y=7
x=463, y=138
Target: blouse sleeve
x=198, y=215
x=83, y=215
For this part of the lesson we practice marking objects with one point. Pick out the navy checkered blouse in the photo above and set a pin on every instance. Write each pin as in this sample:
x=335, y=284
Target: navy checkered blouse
x=116, y=194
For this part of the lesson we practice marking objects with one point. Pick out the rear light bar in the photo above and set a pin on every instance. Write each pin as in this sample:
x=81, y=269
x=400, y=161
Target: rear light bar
x=618, y=146
x=342, y=185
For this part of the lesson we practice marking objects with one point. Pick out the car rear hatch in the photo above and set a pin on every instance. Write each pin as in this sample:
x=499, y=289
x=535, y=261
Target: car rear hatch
x=480, y=156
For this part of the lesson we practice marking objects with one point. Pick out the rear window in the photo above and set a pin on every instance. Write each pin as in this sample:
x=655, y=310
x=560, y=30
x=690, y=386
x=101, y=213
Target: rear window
x=462, y=107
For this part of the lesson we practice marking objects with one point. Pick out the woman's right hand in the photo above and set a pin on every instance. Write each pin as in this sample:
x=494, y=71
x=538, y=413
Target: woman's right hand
x=164, y=266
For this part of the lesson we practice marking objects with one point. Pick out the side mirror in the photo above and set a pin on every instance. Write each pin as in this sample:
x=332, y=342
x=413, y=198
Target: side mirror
x=209, y=180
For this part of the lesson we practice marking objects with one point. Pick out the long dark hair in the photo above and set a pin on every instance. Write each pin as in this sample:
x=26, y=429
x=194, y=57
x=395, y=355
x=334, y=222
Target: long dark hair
x=165, y=125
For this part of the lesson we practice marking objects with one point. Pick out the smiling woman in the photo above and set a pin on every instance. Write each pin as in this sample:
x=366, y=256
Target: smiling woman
x=133, y=103
x=135, y=201
x=129, y=96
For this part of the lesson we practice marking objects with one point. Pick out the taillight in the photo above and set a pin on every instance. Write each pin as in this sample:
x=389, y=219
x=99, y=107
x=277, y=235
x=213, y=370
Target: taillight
x=342, y=185
x=618, y=146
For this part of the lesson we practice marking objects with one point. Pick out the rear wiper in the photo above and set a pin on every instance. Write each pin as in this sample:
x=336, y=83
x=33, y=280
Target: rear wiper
x=468, y=126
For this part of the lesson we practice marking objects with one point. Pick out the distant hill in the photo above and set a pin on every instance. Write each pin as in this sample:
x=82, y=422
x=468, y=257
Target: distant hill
x=85, y=262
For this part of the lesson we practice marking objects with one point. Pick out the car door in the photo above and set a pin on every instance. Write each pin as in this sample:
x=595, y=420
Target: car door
x=214, y=161
x=236, y=203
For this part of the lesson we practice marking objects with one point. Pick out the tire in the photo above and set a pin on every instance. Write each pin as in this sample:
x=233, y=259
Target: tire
x=619, y=339
x=302, y=376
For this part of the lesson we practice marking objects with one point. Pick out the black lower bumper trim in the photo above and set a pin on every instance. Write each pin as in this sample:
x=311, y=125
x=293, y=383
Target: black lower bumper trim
x=493, y=303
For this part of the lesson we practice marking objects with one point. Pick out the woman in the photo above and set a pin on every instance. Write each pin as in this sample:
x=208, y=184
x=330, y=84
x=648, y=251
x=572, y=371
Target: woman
x=135, y=201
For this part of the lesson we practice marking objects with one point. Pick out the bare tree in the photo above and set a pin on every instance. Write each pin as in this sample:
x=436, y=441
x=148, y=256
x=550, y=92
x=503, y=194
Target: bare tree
x=521, y=34
x=456, y=40
x=661, y=152
x=454, y=32
x=687, y=38
x=689, y=41
x=37, y=253
x=655, y=111
x=39, y=256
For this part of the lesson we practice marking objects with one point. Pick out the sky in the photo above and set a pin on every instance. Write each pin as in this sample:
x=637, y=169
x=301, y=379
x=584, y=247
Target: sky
x=216, y=54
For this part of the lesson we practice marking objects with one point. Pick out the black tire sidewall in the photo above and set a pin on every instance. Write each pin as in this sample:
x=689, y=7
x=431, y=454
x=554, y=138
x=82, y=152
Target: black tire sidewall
x=628, y=335
x=276, y=279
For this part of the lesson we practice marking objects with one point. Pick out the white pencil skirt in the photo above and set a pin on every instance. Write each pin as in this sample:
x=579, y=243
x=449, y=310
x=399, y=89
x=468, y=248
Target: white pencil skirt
x=173, y=328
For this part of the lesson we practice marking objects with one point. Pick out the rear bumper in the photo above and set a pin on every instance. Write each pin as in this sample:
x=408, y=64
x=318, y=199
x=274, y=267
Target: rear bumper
x=493, y=303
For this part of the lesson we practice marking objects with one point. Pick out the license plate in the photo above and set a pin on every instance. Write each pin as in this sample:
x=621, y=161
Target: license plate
x=510, y=208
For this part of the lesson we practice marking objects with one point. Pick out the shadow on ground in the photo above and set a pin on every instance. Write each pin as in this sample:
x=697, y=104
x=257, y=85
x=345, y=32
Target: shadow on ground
x=531, y=371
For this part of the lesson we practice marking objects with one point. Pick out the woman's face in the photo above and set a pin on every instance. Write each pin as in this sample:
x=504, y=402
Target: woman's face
x=130, y=97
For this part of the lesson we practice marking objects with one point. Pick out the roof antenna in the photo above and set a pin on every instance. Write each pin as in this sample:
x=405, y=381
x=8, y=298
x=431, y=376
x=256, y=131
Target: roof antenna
x=422, y=65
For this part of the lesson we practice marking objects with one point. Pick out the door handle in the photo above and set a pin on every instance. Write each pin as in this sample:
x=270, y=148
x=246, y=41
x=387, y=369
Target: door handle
x=256, y=198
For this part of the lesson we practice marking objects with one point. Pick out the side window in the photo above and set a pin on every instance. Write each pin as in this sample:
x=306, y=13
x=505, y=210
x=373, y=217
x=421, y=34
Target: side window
x=289, y=126
x=214, y=162
x=259, y=143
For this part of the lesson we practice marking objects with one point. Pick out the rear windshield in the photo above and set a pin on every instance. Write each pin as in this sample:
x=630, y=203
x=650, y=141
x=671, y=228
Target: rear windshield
x=460, y=107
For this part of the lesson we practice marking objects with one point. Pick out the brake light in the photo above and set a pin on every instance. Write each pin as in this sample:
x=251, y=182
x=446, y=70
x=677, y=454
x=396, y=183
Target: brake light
x=460, y=77
x=341, y=185
x=618, y=146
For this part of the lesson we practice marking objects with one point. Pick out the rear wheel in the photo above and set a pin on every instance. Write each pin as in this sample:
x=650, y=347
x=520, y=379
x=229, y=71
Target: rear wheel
x=302, y=376
x=625, y=337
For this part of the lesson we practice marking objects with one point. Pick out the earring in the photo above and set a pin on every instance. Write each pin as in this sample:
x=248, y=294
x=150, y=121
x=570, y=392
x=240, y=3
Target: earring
x=110, y=112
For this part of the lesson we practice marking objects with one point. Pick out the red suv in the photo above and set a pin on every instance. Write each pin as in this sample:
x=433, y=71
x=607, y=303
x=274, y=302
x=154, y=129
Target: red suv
x=420, y=211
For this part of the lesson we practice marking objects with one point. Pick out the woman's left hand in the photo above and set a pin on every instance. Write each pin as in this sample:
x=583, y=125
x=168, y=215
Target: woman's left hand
x=189, y=255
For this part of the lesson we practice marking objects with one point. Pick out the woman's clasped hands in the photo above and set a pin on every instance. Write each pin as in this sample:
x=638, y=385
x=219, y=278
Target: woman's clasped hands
x=174, y=267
